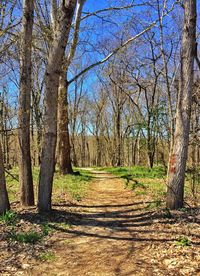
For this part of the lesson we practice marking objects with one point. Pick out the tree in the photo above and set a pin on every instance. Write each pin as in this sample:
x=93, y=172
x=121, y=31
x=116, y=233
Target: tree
x=118, y=99
x=4, y=128
x=4, y=202
x=26, y=179
x=177, y=163
x=64, y=147
x=64, y=14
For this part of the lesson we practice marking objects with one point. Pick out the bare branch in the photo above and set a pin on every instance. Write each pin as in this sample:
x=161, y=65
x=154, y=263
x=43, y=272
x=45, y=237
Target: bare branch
x=112, y=9
x=112, y=53
x=116, y=50
x=54, y=9
x=72, y=51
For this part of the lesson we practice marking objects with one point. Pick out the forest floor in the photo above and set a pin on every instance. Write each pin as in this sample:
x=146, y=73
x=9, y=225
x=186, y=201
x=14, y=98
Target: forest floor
x=111, y=231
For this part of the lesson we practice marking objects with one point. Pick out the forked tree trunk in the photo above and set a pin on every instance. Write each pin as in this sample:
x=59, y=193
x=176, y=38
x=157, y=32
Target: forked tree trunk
x=64, y=150
x=177, y=163
x=26, y=179
x=4, y=202
x=64, y=158
x=53, y=71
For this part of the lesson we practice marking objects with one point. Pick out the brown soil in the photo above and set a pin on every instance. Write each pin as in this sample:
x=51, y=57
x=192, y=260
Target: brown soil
x=111, y=232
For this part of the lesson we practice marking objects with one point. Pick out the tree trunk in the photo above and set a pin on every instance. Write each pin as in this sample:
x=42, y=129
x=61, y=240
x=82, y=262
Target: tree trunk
x=4, y=202
x=36, y=97
x=64, y=159
x=88, y=154
x=118, y=130
x=177, y=163
x=138, y=150
x=83, y=144
x=64, y=149
x=26, y=179
x=98, y=151
x=74, y=158
x=134, y=147
x=53, y=71
x=149, y=146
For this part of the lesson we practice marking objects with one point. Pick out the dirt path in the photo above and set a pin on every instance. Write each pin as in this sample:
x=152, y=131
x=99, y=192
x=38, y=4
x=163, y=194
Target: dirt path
x=111, y=233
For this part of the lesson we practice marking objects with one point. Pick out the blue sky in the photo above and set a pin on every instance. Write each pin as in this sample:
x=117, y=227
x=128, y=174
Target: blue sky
x=94, y=5
x=108, y=31
x=105, y=30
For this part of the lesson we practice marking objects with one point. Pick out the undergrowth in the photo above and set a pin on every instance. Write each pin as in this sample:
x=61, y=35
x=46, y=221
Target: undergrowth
x=47, y=256
x=74, y=186
x=152, y=182
x=26, y=237
x=138, y=171
x=183, y=241
x=144, y=182
x=9, y=218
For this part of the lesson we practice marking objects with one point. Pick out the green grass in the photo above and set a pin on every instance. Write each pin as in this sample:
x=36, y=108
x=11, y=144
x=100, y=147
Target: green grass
x=73, y=185
x=47, y=256
x=151, y=182
x=62, y=225
x=138, y=171
x=183, y=241
x=141, y=193
x=26, y=237
x=46, y=229
x=144, y=182
x=154, y=204
x=13, y=184
x=31, y=236
x=9, y=218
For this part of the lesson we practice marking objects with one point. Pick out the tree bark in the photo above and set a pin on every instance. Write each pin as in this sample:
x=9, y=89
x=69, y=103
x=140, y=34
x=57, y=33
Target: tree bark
x=64, y=148
x=26, y=179
x=4, y=202
x=177, y=164
x=83, y=141
x=99, y=151
x=53, y=71
x=118, y=132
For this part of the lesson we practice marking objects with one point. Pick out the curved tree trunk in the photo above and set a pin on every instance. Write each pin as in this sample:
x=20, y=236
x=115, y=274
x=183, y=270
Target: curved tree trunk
x=177, y=164
x=4, y=202
x=26, y=179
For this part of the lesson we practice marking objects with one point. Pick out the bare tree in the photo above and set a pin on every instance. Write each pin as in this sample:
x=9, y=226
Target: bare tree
x=177, y=164
x=26, y=179
x=63, y=145
x=65, y=13
x=4, y=202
